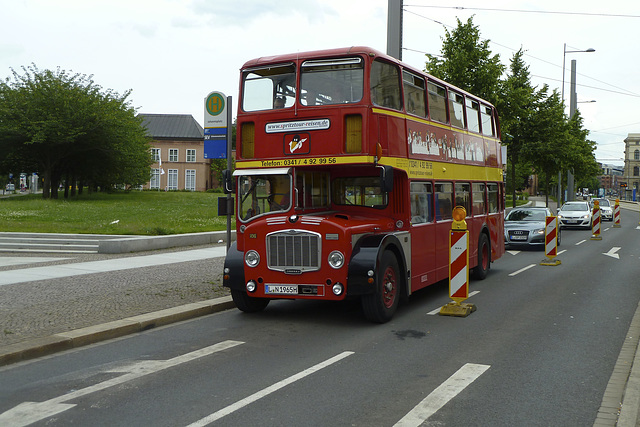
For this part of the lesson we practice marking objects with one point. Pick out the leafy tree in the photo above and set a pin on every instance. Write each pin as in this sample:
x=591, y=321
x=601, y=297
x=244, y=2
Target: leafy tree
x=467, y=62
x=66, y=126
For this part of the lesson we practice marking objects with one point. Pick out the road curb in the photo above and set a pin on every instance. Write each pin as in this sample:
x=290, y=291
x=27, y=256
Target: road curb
x=44, y=346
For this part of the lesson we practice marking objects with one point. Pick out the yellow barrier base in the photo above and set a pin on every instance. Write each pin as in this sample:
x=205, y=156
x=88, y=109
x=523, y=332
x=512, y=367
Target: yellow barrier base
x=594, y=237
x=457, y=309
x=550, y=261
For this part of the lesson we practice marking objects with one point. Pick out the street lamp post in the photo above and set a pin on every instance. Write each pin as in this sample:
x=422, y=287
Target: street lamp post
x=572, y=110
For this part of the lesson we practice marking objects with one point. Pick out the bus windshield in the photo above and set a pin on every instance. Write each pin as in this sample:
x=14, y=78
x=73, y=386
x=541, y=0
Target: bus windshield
x=269, y=87
x=260, y=194
x=332, y=81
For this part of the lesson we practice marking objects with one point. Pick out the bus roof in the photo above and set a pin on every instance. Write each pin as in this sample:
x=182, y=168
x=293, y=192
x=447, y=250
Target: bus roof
x=345, y=51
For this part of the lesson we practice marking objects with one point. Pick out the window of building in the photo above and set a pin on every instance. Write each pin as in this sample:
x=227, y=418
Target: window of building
x=173, y=154
x=155, y=154
x=437, y=102
x=414, y=94
x=191, y=155
x=155, y=179
x=421, y=202
x=636, y=155
x=172, y=179
x=636, y=171
x=190, y=179
x=385, y=85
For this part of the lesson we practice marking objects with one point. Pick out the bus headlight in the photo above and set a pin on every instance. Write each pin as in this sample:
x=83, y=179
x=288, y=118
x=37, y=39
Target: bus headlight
x=336, y=259
x=252, y=258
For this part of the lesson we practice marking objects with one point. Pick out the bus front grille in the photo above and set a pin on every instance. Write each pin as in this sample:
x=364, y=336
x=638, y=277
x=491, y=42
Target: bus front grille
x=293, y=251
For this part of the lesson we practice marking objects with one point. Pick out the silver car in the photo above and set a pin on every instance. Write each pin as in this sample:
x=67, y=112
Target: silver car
x=575, y=214
x=606, y=211
x=525, y=227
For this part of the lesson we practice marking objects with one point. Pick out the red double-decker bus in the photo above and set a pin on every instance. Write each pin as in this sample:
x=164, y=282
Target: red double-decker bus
x=348, y=166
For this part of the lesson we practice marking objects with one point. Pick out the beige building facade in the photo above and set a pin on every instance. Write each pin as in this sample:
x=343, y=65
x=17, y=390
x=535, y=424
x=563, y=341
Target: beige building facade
x=631, y=175
x=178, y=153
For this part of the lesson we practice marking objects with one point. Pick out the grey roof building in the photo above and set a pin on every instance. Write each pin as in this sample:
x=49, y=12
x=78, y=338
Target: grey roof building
x=177, y=149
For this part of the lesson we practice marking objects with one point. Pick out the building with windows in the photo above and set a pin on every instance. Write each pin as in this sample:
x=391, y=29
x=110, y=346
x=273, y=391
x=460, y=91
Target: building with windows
x=631, y=175
x=178, y=153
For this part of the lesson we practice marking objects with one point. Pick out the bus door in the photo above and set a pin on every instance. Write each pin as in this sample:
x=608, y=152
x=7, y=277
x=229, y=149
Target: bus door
x=443, y=196
x=423, y=247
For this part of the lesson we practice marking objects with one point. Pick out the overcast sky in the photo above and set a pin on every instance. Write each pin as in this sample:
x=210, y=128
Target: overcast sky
x=172, y=53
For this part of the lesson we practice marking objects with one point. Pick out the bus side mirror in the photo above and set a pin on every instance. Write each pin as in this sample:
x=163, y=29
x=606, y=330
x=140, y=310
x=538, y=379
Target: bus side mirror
x=386, y=178
x=227, y=182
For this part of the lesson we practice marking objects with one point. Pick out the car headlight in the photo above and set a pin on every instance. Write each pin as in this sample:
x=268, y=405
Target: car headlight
x=539, y=231
x=336, y=259
x=252, y=258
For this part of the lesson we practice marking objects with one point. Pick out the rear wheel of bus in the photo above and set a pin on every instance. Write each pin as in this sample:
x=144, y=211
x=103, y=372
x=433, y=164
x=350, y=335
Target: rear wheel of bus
x=246, y=303
x=381, y=305
x=484, y=258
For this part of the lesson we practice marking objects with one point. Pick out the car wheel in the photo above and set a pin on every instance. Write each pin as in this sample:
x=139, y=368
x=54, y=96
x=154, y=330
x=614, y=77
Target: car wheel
x=246, y=303
x=380, y=306
x=484, y=258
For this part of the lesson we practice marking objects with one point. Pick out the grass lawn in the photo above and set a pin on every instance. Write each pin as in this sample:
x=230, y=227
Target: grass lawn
x=135, y=212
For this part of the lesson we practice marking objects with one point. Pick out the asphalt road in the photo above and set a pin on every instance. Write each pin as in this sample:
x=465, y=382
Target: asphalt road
x=539, y=351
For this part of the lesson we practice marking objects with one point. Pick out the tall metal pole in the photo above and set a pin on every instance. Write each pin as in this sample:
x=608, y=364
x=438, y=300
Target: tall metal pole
x=229, y=154
x=394, y=29
x=571, y=191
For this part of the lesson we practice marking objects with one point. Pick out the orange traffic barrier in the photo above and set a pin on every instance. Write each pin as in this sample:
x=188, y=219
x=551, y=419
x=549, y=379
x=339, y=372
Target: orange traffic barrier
x=616, y=214
x=551, y=241
x=595, y=221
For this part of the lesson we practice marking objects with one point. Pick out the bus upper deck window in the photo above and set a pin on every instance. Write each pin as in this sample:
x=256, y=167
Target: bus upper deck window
x=331, y=81
x=385, y=85
x=270, y=87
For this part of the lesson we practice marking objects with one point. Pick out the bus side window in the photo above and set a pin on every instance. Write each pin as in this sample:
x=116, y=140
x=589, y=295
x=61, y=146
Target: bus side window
x=493, y=197
x=463, y=196
x=473, y=111
x=487, y=121
x=414, y=96
x=437, y=102
x=444, y=200
x=479, y=205
x=421, y=196
x=456, y=110
x=385, y=85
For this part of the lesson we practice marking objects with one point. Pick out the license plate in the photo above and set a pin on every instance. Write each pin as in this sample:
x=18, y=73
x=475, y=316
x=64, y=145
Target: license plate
x=572, y=221
x=518, y=237
x=281, y=289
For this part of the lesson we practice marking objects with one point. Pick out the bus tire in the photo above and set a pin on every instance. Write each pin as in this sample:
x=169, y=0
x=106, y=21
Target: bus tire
x=246, y=303
x=381, y=305
x=484, y=258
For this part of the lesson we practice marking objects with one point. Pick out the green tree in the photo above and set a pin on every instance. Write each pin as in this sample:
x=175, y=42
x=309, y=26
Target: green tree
x=65, y=126
x=467, y=62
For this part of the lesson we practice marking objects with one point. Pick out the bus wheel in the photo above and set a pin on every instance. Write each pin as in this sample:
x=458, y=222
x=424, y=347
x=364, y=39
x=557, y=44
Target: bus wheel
x=484, y=258
x=246, y=303
x=381, y=305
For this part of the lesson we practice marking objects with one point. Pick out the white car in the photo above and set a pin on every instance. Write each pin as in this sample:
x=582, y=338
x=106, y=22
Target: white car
x=575, y=214
x=606, y=211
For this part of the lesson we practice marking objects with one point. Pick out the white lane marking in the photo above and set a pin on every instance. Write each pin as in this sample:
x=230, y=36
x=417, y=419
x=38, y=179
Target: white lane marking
x=437, y=310
x=612, y=252
x=580, y=242
x=521, y=270
x=264, y=392
x=514, y=252
x=562, y=251
x=30, y=412
x=442, y=395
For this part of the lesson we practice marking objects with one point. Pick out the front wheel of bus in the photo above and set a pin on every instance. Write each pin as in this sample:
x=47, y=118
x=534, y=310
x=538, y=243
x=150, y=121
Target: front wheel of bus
x=381, y=305
x=484, y=258
x=246, y=303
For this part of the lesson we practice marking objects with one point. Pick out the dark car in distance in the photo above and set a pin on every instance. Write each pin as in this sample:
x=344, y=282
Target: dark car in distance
x=524, y=226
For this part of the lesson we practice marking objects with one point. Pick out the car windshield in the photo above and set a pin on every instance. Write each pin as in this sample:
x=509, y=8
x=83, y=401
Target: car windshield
x=526, y=215
x=603, y=202
x=575, y=207
x=260, y=194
